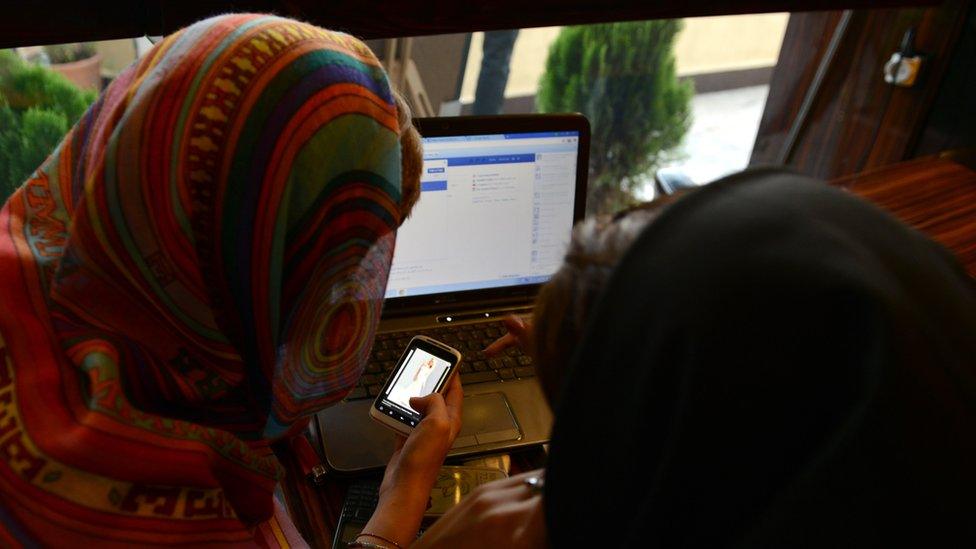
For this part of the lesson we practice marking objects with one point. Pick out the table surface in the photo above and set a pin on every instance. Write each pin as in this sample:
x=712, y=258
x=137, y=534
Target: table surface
x=935, y=195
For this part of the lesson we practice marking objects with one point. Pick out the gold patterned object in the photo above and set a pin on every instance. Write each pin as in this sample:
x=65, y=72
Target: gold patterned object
x=454, y=483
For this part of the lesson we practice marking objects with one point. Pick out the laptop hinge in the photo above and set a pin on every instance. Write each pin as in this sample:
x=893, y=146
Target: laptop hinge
x=481, y=315
x=443, y=309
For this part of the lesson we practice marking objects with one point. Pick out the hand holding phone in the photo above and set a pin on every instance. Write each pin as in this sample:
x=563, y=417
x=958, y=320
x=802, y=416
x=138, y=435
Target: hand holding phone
x=414, y=466
x=426, y=367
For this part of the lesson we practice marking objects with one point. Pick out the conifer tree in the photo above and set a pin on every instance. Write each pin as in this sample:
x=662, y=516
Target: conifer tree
x=37, y=108
x=622, y=77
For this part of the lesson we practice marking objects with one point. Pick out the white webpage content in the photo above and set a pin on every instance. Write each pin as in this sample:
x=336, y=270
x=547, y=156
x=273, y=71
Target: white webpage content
x=494, y=210
x=421, y=374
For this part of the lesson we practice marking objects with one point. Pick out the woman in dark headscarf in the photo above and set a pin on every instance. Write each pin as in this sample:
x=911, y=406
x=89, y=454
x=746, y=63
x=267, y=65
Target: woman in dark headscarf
x=772, y=362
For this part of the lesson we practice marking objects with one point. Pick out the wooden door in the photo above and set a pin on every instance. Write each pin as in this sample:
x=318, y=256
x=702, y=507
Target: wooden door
x=829, y=112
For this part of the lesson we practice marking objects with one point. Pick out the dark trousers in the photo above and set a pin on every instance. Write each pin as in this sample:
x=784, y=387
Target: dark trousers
x=489, y=97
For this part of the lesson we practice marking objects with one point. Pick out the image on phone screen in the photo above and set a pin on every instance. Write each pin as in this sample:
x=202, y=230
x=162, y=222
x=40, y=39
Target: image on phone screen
x=420, y=375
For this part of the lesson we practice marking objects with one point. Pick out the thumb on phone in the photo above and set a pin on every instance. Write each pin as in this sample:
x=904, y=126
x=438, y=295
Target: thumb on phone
x=428, y=405
x=435, y=418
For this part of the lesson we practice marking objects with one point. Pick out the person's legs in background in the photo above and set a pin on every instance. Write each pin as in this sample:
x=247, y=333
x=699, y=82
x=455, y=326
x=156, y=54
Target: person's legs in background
x=489, y=96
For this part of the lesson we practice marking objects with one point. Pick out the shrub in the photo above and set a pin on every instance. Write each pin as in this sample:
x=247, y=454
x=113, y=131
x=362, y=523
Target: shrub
x=622, y=77
x=37, y=108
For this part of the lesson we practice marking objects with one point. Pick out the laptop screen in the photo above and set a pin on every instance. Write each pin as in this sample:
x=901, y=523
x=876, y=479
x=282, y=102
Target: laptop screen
x=495, y=210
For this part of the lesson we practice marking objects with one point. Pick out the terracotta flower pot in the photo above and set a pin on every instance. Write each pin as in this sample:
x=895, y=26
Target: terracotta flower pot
x=86, y=74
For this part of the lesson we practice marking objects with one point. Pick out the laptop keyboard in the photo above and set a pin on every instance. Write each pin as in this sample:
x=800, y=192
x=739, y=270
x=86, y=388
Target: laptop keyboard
x=470, y=339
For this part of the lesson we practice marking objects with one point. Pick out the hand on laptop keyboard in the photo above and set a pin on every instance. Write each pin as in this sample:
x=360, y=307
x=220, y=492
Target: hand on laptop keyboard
x=519, y=332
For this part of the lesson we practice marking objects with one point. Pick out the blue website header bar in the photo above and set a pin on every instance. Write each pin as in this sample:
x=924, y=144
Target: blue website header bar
x=493, y=159
x=536, y=135
x=433, y=154
x=500, y=136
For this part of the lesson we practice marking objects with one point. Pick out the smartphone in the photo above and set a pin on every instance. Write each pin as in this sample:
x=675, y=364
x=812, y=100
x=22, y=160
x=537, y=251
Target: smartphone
x=425, y=367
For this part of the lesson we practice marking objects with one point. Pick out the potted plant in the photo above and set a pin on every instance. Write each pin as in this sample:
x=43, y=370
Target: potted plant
x=78, y=62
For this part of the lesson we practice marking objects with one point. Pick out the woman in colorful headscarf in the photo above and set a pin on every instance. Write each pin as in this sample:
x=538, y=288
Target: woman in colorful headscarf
x=196, y=269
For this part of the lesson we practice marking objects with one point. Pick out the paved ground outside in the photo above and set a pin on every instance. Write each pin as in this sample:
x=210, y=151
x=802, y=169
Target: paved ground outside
x=722, y=133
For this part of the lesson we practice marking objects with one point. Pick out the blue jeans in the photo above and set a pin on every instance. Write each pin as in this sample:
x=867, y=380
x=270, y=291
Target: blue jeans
x=489, y=97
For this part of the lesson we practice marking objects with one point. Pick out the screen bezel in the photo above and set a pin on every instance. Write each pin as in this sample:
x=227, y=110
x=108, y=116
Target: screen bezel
x=482, y=125
x=439, y=350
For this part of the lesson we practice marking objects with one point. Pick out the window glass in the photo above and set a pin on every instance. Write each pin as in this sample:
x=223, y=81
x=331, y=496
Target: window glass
x=673, y=101
x=43, y=92
x=676, y=99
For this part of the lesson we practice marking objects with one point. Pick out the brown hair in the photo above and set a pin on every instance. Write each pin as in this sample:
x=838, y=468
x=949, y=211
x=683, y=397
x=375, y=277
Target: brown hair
x=566, y=301
x=411, y=158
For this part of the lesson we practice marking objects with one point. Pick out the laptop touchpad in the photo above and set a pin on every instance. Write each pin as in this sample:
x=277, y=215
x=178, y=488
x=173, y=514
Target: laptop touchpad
x=487, y=419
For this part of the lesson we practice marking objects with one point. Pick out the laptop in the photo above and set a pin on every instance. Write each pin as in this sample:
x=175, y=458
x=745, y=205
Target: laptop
x=499, y=197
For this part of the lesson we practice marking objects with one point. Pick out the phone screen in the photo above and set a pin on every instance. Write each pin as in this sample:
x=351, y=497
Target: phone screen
x=420, y=372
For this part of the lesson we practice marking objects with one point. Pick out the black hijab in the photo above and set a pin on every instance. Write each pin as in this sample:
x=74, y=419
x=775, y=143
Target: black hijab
x=773, y=363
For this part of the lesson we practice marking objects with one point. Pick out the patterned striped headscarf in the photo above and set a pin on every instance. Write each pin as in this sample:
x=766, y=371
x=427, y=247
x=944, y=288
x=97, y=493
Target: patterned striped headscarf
x=198, y=267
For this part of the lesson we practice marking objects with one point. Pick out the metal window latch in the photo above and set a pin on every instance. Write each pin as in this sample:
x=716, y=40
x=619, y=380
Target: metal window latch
x=905, y=65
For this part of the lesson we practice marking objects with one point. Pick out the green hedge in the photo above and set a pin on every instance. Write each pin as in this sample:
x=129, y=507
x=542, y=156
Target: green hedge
x=37, y=108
